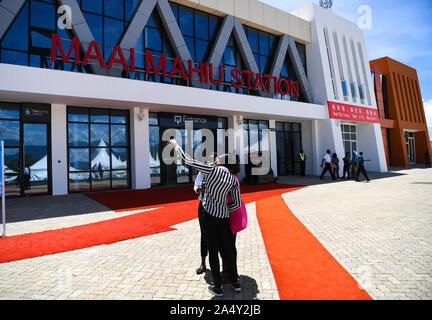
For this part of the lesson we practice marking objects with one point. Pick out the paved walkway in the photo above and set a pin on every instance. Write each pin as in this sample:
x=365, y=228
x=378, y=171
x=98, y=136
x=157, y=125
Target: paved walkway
x=381, y=232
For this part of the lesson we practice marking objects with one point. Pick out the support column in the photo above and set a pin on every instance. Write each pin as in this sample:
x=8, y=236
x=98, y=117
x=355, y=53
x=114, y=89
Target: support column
x=59, y=164
x=140, y=148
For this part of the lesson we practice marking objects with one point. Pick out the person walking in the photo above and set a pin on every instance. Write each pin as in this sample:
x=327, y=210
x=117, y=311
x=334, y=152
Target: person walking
x=354, y=165
x=427, y=159
x=326, y=162
x=346, y=166
x=335, y=165
x=219, y=183
x=302, y=162
x=361, y=168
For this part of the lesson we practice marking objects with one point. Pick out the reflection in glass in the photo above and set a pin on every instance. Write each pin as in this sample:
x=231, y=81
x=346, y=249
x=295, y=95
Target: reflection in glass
x=118, y=135
x=99, y=134
x=79, y=159
x=79, y=181
x=35, y=152
x=11, y=171
x=154, y=155
x=78, y=134
x=100, y=159
x=119, y=158
x=9, y=113
x=9, y=132
x=120, y=179
x=100, y=180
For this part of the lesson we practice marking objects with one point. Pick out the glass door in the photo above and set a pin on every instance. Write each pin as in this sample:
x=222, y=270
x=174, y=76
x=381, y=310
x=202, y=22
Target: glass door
x=34, y=175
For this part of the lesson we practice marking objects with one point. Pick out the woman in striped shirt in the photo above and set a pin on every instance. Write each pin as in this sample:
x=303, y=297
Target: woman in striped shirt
x=219, y=183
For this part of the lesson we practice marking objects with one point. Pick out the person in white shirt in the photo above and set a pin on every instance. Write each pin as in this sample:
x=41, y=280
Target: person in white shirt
x=326, y=162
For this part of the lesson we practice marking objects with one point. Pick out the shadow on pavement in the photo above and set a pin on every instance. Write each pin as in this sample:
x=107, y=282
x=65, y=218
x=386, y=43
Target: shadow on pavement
x=249, y=287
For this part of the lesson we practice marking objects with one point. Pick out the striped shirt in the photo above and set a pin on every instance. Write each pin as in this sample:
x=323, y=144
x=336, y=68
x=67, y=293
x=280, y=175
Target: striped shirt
x=219, y=182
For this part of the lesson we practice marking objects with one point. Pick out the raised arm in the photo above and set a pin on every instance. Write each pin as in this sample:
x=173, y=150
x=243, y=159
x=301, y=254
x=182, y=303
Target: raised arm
x=202, y=167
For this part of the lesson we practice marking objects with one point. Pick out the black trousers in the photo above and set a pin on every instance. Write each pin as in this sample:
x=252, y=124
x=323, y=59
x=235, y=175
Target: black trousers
x=346, y=169
x=203, y=243
x=361, y=169
x=302, y=168
x=219, y=239
x=328, y=168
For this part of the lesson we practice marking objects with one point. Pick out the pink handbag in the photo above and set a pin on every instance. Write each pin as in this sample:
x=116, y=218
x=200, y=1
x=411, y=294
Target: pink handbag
x=238, y=218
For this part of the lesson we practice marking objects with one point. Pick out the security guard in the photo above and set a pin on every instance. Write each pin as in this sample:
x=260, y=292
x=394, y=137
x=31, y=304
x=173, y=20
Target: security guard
x=302, y=161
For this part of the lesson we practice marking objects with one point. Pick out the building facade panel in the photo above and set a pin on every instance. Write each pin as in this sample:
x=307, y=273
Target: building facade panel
x=404, y=122
x=257, y=78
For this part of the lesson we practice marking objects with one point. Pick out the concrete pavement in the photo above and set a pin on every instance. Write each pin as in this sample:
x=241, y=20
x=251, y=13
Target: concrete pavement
x=380, y=231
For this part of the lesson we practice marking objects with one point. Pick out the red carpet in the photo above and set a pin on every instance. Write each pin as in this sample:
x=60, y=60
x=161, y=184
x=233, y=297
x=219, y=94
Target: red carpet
x=303, y=269
x=179, y=205
x=158, y=197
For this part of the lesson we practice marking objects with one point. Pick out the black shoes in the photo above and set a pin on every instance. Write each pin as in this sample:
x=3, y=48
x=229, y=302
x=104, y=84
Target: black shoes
x=236, y=286
x=215, y=291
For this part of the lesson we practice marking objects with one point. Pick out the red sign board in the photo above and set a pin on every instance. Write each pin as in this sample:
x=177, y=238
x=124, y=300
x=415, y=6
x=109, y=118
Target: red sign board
x=241, y=78
x=349, y=112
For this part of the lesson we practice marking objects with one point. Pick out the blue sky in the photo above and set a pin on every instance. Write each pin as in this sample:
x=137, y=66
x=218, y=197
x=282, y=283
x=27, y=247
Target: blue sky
x=400, y=29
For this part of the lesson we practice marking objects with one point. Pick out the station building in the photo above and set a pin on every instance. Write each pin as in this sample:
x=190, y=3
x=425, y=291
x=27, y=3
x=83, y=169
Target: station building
x=89, y=87
x=400, y=106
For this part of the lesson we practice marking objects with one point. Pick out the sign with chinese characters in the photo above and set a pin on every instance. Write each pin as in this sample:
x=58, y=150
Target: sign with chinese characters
x=348, y=112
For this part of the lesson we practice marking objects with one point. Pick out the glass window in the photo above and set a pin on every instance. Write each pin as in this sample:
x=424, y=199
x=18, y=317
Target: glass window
x=118, y=119
x=92, y=5
x=153, y=39
x=263, y=125
x=229, y=56
x=78, y=115
x=79, y=159
x=186, y=21
x=213, y=22
x=190, y=43
x=119, y=158
x=130, y=7
x=6, y=113
x=78, y=134
x=263, y=44
x=10, y=132
x=40, y=39
x=99, y=134
x=119, y=179
x=99, y=161
x=201, y=48
x=113, y=29
x=43, y=15
x=153, y=119
x=253, y=125
x=79, y=182
x=119, y=135
x=99, y=116
x=17, y=36
x=201, y=26
x=253, y=40
x=114, y=8
x=95, y=24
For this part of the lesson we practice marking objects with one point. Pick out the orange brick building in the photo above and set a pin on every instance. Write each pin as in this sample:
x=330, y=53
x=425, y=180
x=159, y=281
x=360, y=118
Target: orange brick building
x=400, y=106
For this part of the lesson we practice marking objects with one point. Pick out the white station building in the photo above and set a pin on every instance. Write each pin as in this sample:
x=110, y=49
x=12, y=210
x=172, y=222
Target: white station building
x=88, y=88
